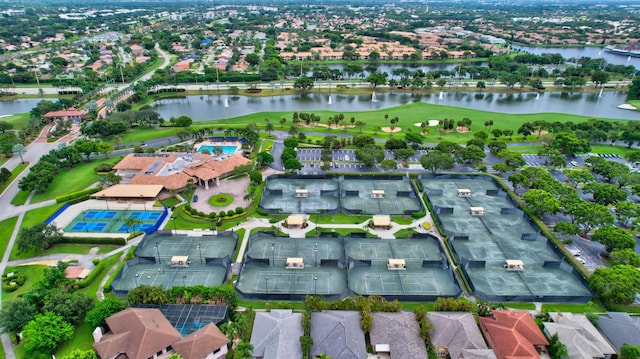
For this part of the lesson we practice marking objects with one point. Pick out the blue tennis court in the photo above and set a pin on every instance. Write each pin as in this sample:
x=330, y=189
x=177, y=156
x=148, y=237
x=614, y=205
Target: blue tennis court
x=100, y=214
x=144, y=216
x=135, y=227
x=89, y=226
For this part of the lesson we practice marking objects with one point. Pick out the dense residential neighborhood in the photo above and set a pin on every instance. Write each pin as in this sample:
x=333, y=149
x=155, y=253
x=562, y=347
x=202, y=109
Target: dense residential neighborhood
x=333, y=179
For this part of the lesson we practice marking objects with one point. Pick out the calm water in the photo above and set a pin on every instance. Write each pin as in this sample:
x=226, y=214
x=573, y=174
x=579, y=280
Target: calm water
x=578, y=52
x=201, y=108
x=10, y=107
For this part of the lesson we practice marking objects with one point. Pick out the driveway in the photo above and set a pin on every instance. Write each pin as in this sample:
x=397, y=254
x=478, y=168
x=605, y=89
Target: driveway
x=237, y=188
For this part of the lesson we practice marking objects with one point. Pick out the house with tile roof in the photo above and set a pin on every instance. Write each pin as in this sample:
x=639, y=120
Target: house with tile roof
x=513, y=334
x=620, y=329
x=143, y=333
x=71, y=114
x=276, y=334
x=337, y=333
x=580, y=337
x=456, y=335
x=397, y=334
x=174, y=170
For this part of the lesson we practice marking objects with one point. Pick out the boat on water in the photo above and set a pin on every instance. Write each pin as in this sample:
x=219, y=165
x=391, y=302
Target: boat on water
x=631, y=50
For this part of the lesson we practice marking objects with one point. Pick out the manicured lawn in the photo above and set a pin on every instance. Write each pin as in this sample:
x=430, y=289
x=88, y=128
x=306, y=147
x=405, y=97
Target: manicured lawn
x=18, y=120
x=220, y=200
x=408, y=114
x=404, y=233
x=340, y=231
x=15, y=173
x=62, y=248
x=240, y=233
x=20, y=198
x=82, y=339
x=515, y=305
x=6, y=228
x=91, y=290
x=34, y=274
x=619, y=150
x=338, y=218
x=590, y=307
x=73, y=179
x=170, y=202
x=402, y=219
x=39, y=215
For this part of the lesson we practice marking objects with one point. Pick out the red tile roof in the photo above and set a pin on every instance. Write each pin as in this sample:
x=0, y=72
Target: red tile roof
x=200, y=343
x=513, y=334
x=65, y=113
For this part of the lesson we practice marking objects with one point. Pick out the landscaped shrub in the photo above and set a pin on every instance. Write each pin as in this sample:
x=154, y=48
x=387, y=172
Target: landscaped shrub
x=418, y=214
x=92, y=276
x=81, y=240
x=74, y=195
x=103, y=167
x=187, y=207
x=212, y=215
x=193, y=211
x=262, y=212
x=426, y=225
x=239, y=210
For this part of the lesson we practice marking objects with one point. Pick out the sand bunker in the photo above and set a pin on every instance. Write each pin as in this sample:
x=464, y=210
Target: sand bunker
x=388, y=129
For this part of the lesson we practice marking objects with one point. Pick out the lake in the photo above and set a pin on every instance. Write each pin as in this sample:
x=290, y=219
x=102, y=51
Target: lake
x=578, y=52
x=10, y=107
x=201, y=108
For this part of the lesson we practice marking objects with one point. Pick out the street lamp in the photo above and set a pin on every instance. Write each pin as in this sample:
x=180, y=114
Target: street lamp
x=266, y=286
x=315, y=255
x=136, y=277
x=315, y=282
x=200, y=250
x=173, y=220
x=155, y=245
x=183, y=282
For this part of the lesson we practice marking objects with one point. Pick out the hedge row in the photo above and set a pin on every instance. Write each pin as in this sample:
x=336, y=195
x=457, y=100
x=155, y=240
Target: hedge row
x=74, y=195
x=92, y=276
x=129, y=256
x=81, y=240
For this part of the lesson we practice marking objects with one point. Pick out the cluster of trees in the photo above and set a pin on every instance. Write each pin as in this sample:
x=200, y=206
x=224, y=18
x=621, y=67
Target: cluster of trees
x=43, y=172
x=46, y=315
x=289, y=154
x=120, y=122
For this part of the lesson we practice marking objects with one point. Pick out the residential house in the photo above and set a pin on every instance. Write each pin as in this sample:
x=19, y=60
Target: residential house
x=276, y=334
x=145, y=333
x=397, y=334
x=513, y=334
x=337, y=334
x=456, y=335
x=620, y=329
x=581, y=338
x=73, y=115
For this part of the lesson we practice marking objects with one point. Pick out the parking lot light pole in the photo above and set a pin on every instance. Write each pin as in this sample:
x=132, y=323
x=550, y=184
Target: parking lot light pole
x=315, y=254
x=273, y=254
x=183, y=282
x=155, y=245
x=266, y=286
x=315, y=284
x=200, y=250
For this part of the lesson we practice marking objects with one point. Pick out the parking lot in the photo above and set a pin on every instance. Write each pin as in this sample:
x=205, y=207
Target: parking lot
x=345, y=161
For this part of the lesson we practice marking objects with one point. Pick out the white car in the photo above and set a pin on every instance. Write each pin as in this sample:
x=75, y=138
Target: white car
x=581, y=260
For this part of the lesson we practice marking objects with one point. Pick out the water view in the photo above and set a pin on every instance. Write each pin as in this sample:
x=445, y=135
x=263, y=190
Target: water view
x=201, y=108
x=10, y=107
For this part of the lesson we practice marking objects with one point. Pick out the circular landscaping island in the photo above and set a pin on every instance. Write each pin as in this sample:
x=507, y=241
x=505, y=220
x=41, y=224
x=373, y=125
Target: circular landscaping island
x=221, y=200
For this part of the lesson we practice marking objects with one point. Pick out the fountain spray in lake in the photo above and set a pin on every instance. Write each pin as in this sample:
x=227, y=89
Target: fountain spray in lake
x=537, y=96
x=373, y=97
x=441, y=96
x=601, y=89
x=329, y=99
x=226, y=102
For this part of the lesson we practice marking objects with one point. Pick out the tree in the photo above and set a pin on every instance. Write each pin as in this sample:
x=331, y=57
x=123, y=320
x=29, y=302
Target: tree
x=82, y=354
x=630, y=351
x=253, y=59
x=5, y=174
x=255, y=177
x=16, y=314
x=244, y=350
x=303, y=83
x=599, y=78
x=626, y=210
x=626, y=256
x=377, y=78
x=589, y=215
x=5, y=126
x=19, y=149
x=264, y=158
x=473, y=154
x=512, y=159
x=614, y=238
x=436, y=160
x=72, y=307
x=292, y=164
x=541, y=202
x=526, y=129
x=104, y=148
x=290, y=142
x=557, y=350
x=496, y=147
x=86, y=147
x=605, y=194
x=39, y=236
x=576, y=176
x=369, y=155
x=45, y=332
x=388, y=165
x=634, y=88
x=183, y=121
x=403, y=154
x=616, y=285
x=103, y=310
x=363, y=140
x=569, y=144
x=414, y=138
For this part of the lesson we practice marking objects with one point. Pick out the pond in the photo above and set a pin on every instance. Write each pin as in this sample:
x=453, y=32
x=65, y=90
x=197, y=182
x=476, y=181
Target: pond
x=201, y=108
x=10, y=107
x=578, y=52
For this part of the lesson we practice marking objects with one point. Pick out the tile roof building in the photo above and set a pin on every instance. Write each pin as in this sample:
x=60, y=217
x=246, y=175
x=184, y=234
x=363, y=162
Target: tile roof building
x=457, y=335
x=67, y=115
x=620, y=329
x=399, y=333
x=581, y=338
x=173, y=171
x=276, y=334
x=138, y=333
x=513, y=334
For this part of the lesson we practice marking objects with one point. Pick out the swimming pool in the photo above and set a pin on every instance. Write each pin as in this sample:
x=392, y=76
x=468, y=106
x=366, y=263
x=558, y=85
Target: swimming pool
x=211, y=149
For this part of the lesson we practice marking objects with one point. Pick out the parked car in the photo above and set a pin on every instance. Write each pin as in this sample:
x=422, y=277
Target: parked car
x=195, y=198
x=581, y=260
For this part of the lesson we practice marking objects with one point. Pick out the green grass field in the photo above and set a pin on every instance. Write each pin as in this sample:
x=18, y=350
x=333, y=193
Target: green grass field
x=39, y=215
x=34, y=274
x=590, y=307
x=6, y=228
x=73, y=179
x=20, y=198
x=19, y=120
x=62, y=248
x=14, y=173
